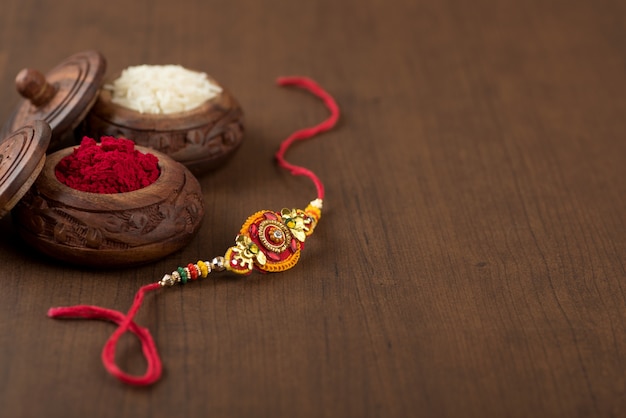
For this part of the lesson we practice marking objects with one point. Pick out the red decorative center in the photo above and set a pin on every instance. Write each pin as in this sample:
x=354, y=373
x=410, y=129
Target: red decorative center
x=275, y=235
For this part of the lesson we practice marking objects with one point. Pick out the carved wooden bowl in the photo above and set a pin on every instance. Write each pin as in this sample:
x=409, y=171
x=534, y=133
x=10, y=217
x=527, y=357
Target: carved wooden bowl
x=111, y=230
x=201, y=138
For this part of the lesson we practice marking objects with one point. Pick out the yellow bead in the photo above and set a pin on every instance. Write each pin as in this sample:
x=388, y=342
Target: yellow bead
x=204, y=269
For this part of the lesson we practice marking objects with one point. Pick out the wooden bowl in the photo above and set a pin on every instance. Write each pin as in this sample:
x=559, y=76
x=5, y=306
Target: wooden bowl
x=202, y=138
x=111, y=230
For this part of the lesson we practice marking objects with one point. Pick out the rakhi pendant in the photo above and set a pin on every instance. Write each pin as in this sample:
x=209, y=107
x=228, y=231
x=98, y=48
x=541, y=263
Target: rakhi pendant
x=268, y=242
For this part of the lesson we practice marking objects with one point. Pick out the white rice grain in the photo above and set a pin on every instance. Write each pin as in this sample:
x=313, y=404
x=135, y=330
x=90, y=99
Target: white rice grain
x=161, y=89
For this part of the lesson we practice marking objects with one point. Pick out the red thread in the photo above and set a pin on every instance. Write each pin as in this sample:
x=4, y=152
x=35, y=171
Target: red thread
x=113, y=167
x=126, y=323
x=306, y=133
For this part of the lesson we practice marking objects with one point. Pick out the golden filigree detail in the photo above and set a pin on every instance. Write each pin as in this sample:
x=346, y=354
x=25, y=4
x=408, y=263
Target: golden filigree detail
x=297, y=222
x=247, y=252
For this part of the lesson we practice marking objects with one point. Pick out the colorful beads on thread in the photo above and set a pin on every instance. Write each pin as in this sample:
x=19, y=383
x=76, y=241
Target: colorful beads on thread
x=183, y=274
x=204, y=269
x=192, y=272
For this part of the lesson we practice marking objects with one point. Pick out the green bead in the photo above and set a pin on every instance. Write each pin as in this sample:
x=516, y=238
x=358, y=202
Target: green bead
x=183, y=275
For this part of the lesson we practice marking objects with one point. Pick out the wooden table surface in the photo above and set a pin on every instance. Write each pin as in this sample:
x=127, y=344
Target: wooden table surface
x=471, y=261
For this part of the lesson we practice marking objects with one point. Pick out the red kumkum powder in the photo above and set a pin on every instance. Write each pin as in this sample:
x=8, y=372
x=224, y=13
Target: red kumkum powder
x=113, y=167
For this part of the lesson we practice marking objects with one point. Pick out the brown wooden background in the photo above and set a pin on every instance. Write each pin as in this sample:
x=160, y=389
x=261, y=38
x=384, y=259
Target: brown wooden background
x=471, y=260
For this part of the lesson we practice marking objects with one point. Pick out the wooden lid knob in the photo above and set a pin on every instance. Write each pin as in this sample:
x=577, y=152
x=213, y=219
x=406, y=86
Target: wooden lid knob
x=62, y=97
x=33, y=86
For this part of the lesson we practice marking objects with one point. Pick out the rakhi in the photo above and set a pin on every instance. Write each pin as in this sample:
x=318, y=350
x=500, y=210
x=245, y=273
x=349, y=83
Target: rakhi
x=267, y=242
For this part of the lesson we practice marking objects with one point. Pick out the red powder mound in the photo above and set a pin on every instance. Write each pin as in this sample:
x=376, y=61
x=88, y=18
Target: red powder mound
x=113, y=167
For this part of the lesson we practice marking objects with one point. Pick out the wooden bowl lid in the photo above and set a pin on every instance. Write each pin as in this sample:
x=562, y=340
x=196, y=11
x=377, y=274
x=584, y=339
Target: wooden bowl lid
x=22, y=156
x=62, y=97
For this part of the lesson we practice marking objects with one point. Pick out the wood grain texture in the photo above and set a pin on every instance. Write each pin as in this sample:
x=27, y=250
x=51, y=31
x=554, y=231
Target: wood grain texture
x=471, y=258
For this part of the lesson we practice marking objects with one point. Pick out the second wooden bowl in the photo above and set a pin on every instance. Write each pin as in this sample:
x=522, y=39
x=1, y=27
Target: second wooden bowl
x=202, y=138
